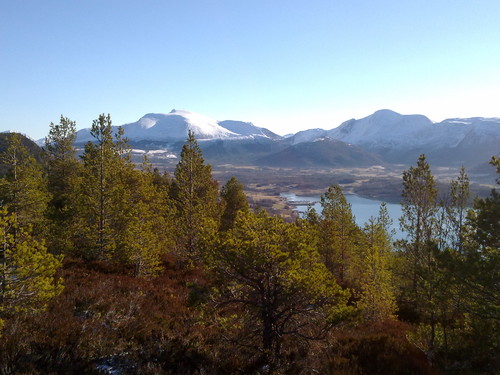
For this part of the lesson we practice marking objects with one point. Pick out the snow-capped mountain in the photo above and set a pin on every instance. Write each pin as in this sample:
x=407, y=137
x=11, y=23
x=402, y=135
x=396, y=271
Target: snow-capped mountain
x=307, y=136
x=385, y=128
x=174, y=126
x=385, y=135
x=401, y=138
x=247, y=129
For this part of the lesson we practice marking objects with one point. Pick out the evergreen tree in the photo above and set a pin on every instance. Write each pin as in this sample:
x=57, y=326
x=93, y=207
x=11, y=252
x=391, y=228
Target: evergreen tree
x=338, y=232
x=233, y=200
x=424, y=277
x=24, y=189
x=468, y=297
x=419, y=208
x=148, y=233
x=27, y=270
x=455, y=212
x=195, y=194
x=273, y=271
x=481, y=254
x=105, y=193
x=375, y=262
x=63, y=173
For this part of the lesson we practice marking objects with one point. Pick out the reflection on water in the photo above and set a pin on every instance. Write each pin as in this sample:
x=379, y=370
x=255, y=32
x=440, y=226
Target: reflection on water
x=362, y=208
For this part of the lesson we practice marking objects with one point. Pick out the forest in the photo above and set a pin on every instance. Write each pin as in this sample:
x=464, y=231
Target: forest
x=109, y=267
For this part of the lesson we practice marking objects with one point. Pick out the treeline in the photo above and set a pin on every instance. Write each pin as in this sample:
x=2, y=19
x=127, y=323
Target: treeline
x=108, y=266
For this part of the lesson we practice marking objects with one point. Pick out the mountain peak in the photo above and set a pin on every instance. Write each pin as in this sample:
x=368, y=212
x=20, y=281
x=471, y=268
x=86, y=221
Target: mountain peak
x=175, y=125
x=385, y=116
x=386, y=112
x=181, y=112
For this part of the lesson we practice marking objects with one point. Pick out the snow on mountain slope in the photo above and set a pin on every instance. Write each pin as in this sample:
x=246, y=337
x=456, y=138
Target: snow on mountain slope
x=385, y=128
x=396, y=138
x=401, y=138
x=247, y=129
x=174, y=126
x=308, y=135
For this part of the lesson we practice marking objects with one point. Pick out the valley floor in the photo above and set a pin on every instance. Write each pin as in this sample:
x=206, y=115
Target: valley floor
x=263, y=185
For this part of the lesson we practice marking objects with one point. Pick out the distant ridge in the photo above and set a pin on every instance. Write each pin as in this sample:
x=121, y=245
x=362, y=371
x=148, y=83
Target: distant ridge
x=323, y=152
x=385, y=136
x=174, y=126
x=401, y=138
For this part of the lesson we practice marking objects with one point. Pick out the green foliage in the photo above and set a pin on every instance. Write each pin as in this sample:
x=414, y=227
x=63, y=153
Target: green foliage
x=375, y=261
x=147, y=234
x=419, y=222
x=6, y=139
x=273, y=272
x=195, y=194
x=425, y=283
x=172, y=277
x=453, y=213
x=27, y=270
x=233, y=201
x=338, y=234
x=63, y=171
x=478, y=268
x=124, y=214
x=24, y=188
x=104, y=206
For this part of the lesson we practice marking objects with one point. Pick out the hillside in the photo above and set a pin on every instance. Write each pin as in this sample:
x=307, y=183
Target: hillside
x=33, y=148
x=324, y=152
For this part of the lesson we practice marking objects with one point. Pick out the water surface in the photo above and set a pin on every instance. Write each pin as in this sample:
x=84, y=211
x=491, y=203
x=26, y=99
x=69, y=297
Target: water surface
x=362, y=208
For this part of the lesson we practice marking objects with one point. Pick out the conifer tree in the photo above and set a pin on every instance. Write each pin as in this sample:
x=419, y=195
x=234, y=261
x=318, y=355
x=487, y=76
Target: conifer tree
x=148, y=233
x=467, y=298
x=233, y=200
x=481, y=254
x=454, y=211
x=272, y=270
x=419, y=208
x=27, y=270
x=104, y=208
x=24, y=189
x=338, y=232
x=424, y=277
x=195, y=194
x=375, y=261
x=63, y=174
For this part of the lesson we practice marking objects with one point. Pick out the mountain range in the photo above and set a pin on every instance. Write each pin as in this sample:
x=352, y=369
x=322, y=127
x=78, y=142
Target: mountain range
x=385, y=137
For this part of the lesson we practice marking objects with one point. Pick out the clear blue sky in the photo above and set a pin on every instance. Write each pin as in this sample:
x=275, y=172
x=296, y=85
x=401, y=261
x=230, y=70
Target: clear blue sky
x=284, y=65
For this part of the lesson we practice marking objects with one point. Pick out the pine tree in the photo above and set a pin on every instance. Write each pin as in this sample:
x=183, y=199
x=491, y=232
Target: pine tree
x=375, y=262
x=468, y=294
x=338, y=232
x=63, y=172
x=424, y=277
x=24, y=189
x=233, y=200
x=455, y=211
x=419, y=208
x=27, y=270
x=105, y=193
x=148, y=233
x=195, y=194
x=481, y=254
x=272, y=270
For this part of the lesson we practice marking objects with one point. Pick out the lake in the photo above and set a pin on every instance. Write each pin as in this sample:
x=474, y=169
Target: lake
x=362, y=208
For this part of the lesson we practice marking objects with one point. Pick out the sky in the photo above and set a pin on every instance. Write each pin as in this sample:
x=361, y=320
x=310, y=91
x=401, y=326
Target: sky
x=284, y=65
